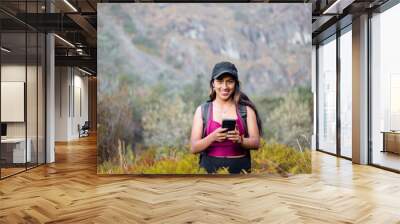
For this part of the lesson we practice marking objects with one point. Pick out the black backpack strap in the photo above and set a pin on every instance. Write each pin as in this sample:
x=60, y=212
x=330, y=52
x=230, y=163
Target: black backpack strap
x=205, y=114
x=243, y=115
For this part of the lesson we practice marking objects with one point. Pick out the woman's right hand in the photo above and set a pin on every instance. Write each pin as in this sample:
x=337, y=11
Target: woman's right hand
x=219, y=134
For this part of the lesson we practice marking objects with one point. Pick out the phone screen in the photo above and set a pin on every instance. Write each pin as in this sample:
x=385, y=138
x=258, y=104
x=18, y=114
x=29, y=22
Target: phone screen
x=229, y=124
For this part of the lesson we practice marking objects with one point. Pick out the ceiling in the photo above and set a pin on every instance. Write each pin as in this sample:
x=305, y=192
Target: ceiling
x=74, y=22
x=332, y=15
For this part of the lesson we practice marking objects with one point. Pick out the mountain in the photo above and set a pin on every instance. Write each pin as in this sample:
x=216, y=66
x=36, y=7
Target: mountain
x=269, y=43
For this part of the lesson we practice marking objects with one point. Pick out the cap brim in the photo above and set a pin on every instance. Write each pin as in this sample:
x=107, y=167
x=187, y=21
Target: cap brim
x=223, y=73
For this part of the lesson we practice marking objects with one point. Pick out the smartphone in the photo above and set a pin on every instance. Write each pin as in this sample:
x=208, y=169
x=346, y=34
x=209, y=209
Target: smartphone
x=230, y=124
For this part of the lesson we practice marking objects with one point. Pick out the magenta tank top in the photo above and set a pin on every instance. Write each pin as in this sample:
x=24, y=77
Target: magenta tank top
x=227, y=147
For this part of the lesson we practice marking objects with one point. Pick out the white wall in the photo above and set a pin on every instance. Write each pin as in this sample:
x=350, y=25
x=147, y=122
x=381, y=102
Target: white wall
x=61, y=103
x=80, y=109
x=71, y=93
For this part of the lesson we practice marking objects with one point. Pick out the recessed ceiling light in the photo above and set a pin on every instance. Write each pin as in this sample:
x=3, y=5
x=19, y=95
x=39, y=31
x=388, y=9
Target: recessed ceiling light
x=84, y=71
x=5, y=49
x=335, y=6
x=64, y=40
x=70, y=5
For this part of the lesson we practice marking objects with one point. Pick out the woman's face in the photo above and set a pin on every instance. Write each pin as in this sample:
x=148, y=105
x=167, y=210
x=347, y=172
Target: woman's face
x=224, y=87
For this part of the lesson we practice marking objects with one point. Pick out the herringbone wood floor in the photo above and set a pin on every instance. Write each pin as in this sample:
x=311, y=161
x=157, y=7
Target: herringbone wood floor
x=70, y=191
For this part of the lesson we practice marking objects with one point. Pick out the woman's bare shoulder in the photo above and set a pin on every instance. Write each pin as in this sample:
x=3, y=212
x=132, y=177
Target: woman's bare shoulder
x=198, y=111
x=199, y=108
x=250, y=110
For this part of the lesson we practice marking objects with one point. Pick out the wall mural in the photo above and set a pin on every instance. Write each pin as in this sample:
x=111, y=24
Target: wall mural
x=250, y=63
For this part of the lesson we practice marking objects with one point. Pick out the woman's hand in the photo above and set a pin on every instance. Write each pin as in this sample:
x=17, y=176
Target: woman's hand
x=234, y=136
x=219, y=134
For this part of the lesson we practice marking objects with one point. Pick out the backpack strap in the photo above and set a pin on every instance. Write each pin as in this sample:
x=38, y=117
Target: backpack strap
x=243, y=114
x=205, y=114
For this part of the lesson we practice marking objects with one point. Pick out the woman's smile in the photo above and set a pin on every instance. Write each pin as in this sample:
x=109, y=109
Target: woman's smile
x=225, y=92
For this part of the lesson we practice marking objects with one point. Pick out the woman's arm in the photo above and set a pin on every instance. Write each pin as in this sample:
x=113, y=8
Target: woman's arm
x=253, y=141
x=197, y=144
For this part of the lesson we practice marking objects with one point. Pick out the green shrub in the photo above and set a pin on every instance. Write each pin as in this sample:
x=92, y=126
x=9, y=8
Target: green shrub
x=279, y=158
x=270, y=158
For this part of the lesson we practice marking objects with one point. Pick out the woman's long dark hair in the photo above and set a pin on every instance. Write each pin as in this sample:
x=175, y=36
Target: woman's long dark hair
x=240, y=98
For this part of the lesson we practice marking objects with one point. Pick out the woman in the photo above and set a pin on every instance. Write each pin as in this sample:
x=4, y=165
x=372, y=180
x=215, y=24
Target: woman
x=218, y=147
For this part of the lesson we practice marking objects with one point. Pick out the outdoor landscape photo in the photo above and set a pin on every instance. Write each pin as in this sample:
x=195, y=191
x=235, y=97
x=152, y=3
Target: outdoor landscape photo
x=155, y=62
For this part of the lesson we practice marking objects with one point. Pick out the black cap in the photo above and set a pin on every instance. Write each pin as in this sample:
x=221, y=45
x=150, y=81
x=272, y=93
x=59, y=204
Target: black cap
x=223, y=68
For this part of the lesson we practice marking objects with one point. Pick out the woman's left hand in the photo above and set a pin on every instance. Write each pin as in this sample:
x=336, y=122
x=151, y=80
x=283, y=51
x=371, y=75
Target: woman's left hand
x=234, y=136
